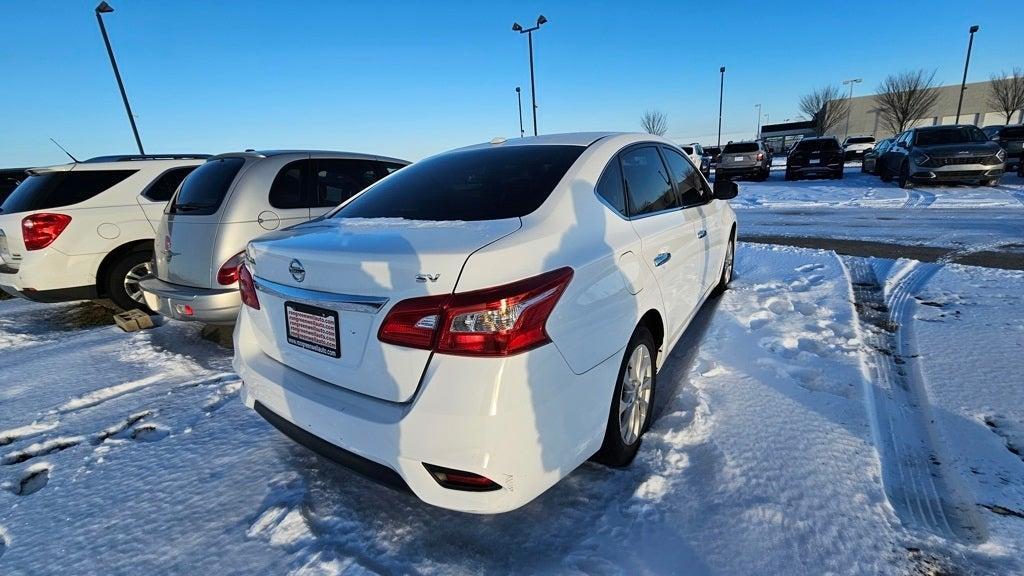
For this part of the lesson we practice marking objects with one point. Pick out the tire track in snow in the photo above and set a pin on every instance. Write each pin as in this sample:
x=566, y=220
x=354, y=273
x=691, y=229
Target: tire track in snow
x=916, y=484
x=1018, y=196
x=919, y=199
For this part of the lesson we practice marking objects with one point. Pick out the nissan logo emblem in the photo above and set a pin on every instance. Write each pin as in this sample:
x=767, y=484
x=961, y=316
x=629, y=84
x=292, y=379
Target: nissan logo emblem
x=297, y=271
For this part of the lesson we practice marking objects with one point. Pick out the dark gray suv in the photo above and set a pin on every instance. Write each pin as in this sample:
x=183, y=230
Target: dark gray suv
x=946, y=154
x=744, y=159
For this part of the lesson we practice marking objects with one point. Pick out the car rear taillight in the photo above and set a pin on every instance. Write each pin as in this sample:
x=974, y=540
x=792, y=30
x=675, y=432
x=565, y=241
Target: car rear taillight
x=228, y=273
x=760, y=155
x=498, y=321
x=40, y=230
x=247, y=288
x=461, y=480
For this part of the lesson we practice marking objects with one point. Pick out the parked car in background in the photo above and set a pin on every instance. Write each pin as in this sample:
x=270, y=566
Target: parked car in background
x=230, y=200
x=1011, y=139
x=699, y=158
x=479, y=324
x=953, y=153
x=9, y=180
x=744, y=160
x=869, y=163
x=713, y=152
x=815, y=157
x=85, y=230
x=854, y=147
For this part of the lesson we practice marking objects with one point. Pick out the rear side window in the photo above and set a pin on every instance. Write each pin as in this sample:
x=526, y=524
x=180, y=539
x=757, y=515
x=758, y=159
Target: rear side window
x=687, y=179
x=204, y=189
x=648, y=186
x=339, y=180
x=164, y=186
x=740, y=147
x=480, y=184
x=610, y=187
x=55, y=189
x=286, y=191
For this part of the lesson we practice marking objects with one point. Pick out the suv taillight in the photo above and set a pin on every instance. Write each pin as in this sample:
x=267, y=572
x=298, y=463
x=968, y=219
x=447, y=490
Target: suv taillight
x=228, y=273
x=498, y=321
x=247, y=288
x=760, y=156
x=40, y=230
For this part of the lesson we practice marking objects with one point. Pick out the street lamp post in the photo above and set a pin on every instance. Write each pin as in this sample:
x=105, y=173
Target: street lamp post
x=757, y=134
x=102, y=9
x=519, y=97
x=533, y=88
x=721, y=91
x=849, y=102
x=963, y=83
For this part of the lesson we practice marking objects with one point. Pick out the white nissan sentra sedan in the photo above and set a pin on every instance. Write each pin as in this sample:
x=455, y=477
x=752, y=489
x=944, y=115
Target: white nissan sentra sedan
x=475, y=326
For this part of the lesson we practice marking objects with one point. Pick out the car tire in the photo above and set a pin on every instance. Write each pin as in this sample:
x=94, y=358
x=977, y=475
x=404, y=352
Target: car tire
x=727, y=269
x=122, y=282
x=990, y=182
x=883, y=173
x=632, y=400
x=905, y=182
x=790, y=176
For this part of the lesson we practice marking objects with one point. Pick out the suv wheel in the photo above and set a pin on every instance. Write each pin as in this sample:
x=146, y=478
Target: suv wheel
x=630, y=411
x=990, y=182
x=123, y=280
x=905, y=181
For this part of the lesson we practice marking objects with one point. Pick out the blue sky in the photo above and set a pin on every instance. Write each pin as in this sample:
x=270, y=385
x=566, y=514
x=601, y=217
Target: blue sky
x=410, y=79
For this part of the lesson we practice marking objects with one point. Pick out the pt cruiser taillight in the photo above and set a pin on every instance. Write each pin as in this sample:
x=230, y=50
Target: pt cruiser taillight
x=498, y=321
x=40, y=230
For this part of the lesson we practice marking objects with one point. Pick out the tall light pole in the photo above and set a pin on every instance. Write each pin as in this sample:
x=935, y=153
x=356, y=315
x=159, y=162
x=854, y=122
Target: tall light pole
x=757, y=134
x=849, y=102
x=721, y=91
x=102, y=9
x=963, y=83
x=519, y=96
x=533, y=88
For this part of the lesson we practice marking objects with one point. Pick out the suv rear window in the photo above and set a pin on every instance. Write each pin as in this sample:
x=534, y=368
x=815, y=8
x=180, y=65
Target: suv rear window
x=480, y=184
x=950, y=135
x=860, y=140
x=55, y=189
x=817, y=145
x=740, y=147
x=204, y=189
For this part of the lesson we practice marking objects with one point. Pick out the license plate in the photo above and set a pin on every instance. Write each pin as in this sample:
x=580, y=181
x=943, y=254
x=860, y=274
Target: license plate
x=312, y=328
x=813, y=161
x=739, y=158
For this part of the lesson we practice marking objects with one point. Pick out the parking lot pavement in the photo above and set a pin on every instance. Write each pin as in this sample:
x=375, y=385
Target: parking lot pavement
x=131, y=453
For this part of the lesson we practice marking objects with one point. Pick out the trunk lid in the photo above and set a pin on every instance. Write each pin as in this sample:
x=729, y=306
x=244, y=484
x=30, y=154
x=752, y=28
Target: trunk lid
x=11, y=245
x=353, y=271
x=183, y=250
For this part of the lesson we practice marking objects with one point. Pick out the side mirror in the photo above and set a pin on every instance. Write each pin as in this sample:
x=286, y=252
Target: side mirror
x=725, y=189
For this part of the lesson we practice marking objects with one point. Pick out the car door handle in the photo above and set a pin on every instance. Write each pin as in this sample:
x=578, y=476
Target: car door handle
x=662, y=258
x=702, y=233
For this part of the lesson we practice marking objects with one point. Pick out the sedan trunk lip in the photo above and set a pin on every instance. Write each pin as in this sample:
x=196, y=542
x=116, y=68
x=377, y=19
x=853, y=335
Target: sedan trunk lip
x=334, y=301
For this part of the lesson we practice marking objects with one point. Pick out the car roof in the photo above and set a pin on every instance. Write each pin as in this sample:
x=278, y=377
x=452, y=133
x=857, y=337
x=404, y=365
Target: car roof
x=303, y=153
x=140, y=157
x=942, y=127
x=165, y=163
x=806, y=138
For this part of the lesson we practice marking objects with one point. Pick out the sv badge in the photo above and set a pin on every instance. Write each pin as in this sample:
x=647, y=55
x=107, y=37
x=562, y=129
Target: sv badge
x=425, y=277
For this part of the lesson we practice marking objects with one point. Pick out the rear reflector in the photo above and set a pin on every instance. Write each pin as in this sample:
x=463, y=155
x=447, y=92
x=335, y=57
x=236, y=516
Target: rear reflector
x=40, y=230
x=247, y=288
x=461, y=480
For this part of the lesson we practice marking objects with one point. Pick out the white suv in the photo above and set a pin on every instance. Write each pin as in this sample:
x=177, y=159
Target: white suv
x=85, y=230
x=855, y=147
x=478, y=324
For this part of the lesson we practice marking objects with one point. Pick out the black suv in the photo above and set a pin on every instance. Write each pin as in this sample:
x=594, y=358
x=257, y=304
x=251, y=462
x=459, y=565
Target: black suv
x=1011, y=139
x=815, y=157
x=955, y=153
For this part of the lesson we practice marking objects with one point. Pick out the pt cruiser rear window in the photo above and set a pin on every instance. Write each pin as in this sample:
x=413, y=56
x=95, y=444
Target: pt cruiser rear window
x=480, y=184
x=204, y=189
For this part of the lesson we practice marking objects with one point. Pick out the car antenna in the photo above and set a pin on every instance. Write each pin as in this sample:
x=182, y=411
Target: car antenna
x=57, y=144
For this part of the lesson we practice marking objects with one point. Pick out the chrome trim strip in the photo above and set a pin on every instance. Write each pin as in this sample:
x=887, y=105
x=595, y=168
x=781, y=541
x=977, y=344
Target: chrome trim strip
x=348, y=302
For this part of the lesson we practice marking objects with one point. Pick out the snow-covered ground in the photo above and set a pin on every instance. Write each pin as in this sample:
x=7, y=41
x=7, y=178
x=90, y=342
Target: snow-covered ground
x=131, y=454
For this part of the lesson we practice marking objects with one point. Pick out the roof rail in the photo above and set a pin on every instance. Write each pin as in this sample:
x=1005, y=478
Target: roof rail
x=131, y=157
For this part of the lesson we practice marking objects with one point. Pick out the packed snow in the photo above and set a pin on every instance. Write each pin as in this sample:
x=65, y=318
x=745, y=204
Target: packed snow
x=131, y=453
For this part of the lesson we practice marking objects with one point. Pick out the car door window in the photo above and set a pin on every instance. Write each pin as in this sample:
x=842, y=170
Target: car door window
x=286, y=191
x=687, y=179
x=164, y=186
x=648, y=187
x=338, y=180
x=610, y=187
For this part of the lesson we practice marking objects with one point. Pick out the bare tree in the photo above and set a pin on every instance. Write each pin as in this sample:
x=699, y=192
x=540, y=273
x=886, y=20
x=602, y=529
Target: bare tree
x=905, y=97
x=654, y=122
x=1006, y=93
x=826, y=106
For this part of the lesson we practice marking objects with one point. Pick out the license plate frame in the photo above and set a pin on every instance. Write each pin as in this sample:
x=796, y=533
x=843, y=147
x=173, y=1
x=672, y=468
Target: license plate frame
x=310, y=328
x=815, y=161
x=738, y=158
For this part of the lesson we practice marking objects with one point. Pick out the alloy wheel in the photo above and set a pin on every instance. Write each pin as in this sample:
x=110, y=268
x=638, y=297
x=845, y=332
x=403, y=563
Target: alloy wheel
x=635, y=397
x=132, y=278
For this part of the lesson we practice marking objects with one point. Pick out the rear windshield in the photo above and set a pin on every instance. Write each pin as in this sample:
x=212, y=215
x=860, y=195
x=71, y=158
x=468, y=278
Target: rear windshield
x=860, y=140
x=1015, y=133
x=204, y=189
x=951, y=135
x=55, y=189
x=740, y=147
x=688, y=149
x=817, y=145
x=480, y=184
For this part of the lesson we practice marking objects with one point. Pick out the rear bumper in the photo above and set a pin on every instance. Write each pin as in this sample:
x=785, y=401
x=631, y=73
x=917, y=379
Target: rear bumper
x=815, y=169
x=51, y=276
x=212, y=306
x=523, y=421
x=739, y=171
